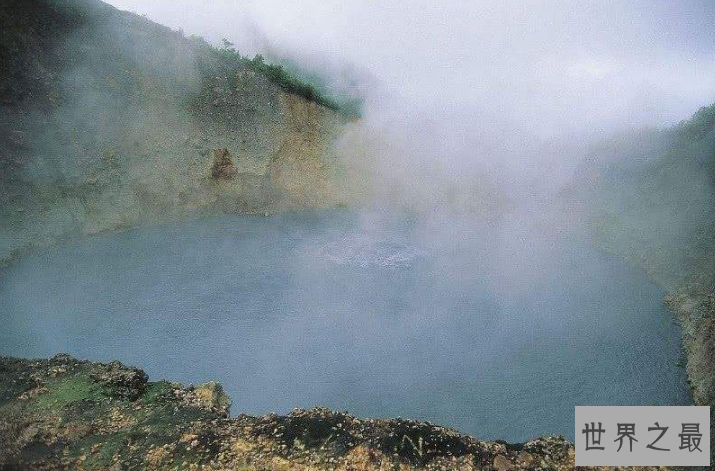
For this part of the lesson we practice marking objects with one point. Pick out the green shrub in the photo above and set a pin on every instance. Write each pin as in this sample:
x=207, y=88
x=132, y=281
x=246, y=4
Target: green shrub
x=701, y=125
x=278, y=75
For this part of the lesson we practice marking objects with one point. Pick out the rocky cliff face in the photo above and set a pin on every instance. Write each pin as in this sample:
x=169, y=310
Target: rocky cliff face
x=696, y=312
x=108, y=120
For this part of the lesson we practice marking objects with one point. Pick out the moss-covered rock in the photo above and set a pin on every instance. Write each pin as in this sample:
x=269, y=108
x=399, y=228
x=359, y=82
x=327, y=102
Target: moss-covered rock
x=63, y=413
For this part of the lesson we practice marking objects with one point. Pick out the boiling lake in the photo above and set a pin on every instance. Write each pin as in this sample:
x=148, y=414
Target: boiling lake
x=497, y=329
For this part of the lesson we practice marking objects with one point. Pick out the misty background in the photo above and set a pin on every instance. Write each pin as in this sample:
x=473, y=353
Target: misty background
x=484, y=108
x=498, y=97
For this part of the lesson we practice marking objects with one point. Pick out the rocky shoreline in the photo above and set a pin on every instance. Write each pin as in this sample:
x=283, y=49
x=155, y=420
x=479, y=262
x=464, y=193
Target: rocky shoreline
x=696, y=313
x=695, y=310
x=63, y=413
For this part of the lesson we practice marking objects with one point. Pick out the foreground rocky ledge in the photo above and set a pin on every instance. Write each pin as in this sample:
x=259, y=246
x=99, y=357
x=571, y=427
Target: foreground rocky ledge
x=63, y=413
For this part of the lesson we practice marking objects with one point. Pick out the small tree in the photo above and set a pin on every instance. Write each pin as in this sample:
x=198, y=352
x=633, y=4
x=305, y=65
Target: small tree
x=228, y=45
x=259, y=61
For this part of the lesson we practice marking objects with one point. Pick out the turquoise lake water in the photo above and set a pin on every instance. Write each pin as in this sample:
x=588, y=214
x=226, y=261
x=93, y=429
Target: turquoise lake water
x=496, y=329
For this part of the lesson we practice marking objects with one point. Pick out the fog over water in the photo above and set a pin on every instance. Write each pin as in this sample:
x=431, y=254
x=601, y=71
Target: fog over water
x=497, y=330
x=451, y=290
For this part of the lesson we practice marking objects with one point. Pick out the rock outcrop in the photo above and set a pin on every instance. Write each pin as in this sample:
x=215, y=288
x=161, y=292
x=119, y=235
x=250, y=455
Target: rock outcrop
x=696, y=312
x=223, y=167
x=63, y=413
x=99, y=133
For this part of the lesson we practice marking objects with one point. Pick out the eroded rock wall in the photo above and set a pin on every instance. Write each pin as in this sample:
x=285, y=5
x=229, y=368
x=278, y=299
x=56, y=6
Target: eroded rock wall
x=110, y=121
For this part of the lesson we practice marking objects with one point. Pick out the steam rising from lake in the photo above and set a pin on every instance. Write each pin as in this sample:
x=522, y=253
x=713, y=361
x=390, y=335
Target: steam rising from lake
x=507, y=94
x=467, y=302
x=495, y=329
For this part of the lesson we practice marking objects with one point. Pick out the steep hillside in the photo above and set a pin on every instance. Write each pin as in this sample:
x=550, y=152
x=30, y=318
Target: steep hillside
x=108, y=120
x=651, y=198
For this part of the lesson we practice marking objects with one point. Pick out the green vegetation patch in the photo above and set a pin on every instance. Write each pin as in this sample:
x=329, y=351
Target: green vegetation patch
x=67, y=391
x=160, y=427
x=279, y=75
x=157, y=392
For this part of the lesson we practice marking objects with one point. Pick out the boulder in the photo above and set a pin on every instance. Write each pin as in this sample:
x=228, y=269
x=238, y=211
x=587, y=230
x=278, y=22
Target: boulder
x=120, y=381
x=210, y=397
